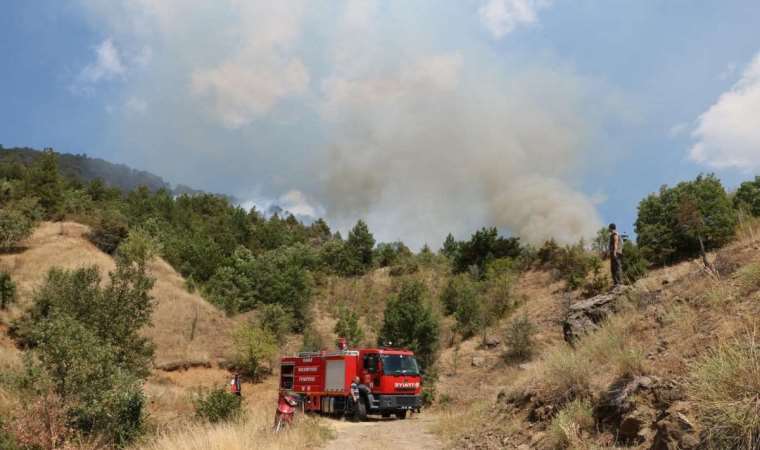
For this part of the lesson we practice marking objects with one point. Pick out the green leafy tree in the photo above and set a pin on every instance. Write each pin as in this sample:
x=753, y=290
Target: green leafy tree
x=359, y=246
x=678, y=222
x=601, y=242
x=44, y=182
x=7, y=290
x=87, y=345
x=348, y=327
x=277, y=320
x=484, y=246
x=409, y=322
x=747, y=197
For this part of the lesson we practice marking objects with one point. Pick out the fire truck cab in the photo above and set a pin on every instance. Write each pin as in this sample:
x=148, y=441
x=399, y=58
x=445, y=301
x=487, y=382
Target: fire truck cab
x=389, y=381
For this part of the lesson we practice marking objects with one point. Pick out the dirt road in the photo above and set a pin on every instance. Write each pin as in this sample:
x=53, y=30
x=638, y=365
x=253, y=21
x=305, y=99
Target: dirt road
x=385, y=434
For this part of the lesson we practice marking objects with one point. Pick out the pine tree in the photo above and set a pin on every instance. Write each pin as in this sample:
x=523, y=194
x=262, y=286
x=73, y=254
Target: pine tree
x=359, y=244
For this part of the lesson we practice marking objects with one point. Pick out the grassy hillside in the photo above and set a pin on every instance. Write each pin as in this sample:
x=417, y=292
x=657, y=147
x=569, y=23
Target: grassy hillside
x=688, y=337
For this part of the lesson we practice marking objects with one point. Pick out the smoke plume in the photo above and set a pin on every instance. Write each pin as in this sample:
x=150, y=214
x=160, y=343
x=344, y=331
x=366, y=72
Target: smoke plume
x=388, y=111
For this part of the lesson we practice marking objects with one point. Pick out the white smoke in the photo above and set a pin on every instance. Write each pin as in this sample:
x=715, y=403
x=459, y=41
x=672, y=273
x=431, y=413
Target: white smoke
x=368, y=109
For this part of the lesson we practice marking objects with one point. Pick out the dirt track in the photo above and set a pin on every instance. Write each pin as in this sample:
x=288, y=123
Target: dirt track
x=384, y=434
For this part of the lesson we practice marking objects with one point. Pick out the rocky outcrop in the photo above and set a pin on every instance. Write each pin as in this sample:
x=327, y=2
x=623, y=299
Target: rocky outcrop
x=585, y=316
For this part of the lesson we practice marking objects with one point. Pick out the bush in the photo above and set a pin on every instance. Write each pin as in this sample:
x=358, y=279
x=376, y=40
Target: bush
x=748, y=278
x=409, y=322
x=7, y=290
x=111, y=229
x=14, y=228
x=453, y=292
x=599, y=281
x=635, y=266
x=519, y=338
x=470, y=312
x=724, y=387
x=218, y=405
x=566, y=428
x=348, y=327
x=573, y=265
x=254, y=351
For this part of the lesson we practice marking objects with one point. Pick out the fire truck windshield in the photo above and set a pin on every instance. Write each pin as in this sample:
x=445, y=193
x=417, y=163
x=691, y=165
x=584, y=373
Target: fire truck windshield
x=400, y=365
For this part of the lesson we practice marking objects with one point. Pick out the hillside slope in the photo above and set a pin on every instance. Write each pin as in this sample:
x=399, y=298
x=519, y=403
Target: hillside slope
x=185, y=327
x=630, y=384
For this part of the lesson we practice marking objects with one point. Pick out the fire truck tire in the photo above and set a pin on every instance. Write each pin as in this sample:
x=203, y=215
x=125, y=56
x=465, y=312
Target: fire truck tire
x=401, y=415
x=360, y=414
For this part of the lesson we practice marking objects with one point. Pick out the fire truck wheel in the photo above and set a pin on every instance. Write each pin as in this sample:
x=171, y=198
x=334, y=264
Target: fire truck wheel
x=360, y=413
x=401, y=415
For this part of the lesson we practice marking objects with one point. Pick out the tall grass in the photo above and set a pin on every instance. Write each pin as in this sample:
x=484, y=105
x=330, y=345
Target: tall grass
x=725, y=388
x=566, y=428
x=249, y=434
x=568, y=374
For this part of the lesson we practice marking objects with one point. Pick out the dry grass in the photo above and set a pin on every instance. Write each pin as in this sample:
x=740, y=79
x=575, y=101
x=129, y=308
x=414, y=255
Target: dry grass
x=568, y=427
x=248, y=434
x=725, y=388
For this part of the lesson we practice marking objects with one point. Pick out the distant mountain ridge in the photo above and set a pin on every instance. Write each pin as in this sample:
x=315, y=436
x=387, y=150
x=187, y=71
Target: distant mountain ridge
x=86, y=169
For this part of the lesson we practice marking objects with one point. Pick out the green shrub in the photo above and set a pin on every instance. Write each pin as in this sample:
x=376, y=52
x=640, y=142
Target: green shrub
x=254, y=351
x=519, y=338
x=573, y=264
x=635, y=266
x=599, y=281
x=218, y=405
x=470, y=312
x=7, y=290
x=724, y=387
x=348, y=327
x=14, y=227
x=111, y=229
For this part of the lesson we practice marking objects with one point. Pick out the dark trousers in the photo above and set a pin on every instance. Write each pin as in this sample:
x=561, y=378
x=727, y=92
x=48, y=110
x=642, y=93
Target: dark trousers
x=616, y=265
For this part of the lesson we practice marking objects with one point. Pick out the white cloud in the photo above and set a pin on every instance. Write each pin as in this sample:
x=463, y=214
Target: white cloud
x=107, y=65
x=501, y=17
x=298, y=203
x=727, y=134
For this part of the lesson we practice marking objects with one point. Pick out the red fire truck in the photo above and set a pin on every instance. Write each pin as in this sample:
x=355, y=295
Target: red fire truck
x=389, y=381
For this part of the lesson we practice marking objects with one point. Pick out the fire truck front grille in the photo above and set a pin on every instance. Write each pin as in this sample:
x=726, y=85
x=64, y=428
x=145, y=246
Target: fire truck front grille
x=400, y=401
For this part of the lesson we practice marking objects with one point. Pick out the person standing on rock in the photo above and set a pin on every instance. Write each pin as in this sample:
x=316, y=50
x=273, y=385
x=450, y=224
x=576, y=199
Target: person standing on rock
x=616, y=255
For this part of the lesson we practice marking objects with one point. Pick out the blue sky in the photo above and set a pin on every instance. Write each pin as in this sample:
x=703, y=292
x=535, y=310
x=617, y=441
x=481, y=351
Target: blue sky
x=541, y=117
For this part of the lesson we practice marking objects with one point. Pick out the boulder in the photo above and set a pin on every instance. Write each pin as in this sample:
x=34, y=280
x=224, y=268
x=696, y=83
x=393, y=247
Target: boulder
x=492, y=341
x=676, y=429
x=584, y=317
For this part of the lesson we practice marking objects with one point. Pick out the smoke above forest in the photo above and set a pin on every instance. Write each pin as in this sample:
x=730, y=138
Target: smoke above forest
x=357, y=110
